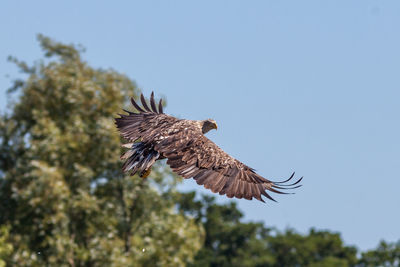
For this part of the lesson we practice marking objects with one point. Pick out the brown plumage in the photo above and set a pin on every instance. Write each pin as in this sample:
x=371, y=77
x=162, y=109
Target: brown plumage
x=153, y=135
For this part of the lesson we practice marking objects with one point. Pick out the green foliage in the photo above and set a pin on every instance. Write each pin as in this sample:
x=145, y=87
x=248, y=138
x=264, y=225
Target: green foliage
x=61, y=188
x=318, y=248
x=230, y=242
x=5, y=247
x=385, y=254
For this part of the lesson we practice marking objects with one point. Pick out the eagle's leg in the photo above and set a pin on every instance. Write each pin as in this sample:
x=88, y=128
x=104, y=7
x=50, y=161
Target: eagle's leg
x=139, y=158
x=145, y=173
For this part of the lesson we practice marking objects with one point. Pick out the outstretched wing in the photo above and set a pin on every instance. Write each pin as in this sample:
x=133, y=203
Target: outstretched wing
x=192, y=155
x=147, y=122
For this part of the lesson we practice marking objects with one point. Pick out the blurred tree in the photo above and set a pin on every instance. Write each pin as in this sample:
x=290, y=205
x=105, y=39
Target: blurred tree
x=386, y=254
x=62, y=192
x=230, y=242
x=318, y=248
x=5, y=247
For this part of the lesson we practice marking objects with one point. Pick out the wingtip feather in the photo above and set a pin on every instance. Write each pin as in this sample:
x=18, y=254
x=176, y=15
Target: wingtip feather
x=136, y=105
x=152, y=103
x=160, y=107
x=144, y=103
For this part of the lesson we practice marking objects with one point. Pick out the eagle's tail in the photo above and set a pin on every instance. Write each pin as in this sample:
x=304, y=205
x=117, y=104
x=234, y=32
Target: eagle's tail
x=139, y=158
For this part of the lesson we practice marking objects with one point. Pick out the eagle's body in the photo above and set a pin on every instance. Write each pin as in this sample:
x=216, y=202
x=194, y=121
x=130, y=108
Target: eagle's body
x=154, y=135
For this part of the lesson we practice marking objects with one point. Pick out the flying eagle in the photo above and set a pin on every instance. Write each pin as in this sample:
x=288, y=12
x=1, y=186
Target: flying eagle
x=153, y=135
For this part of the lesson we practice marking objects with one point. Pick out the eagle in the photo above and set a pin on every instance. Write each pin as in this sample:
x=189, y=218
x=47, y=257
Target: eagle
x=153, y=135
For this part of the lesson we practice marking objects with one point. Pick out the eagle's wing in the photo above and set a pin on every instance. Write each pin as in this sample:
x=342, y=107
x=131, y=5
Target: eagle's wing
x=192, y=155
x=147, y=122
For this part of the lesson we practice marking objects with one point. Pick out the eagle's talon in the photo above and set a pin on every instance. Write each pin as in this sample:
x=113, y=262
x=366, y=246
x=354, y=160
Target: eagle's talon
x=145, y=173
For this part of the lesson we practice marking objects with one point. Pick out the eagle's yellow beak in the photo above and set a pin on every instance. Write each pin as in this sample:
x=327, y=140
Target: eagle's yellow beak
x=216, y=126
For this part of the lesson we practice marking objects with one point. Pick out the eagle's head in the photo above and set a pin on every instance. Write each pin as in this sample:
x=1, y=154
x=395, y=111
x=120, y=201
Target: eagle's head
x=208, y=125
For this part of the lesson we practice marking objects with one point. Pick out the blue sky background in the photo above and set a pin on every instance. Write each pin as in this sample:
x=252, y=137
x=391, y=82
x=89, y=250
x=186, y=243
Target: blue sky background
x=310, y=86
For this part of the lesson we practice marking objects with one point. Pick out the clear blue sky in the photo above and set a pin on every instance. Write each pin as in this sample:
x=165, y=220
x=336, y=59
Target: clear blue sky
x=310, y=86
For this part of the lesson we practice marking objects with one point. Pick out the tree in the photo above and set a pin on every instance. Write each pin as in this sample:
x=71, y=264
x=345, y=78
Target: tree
x=386, y=254
x=62, y=192
x=318, y=248
x=231, y=242
x=228, y=241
